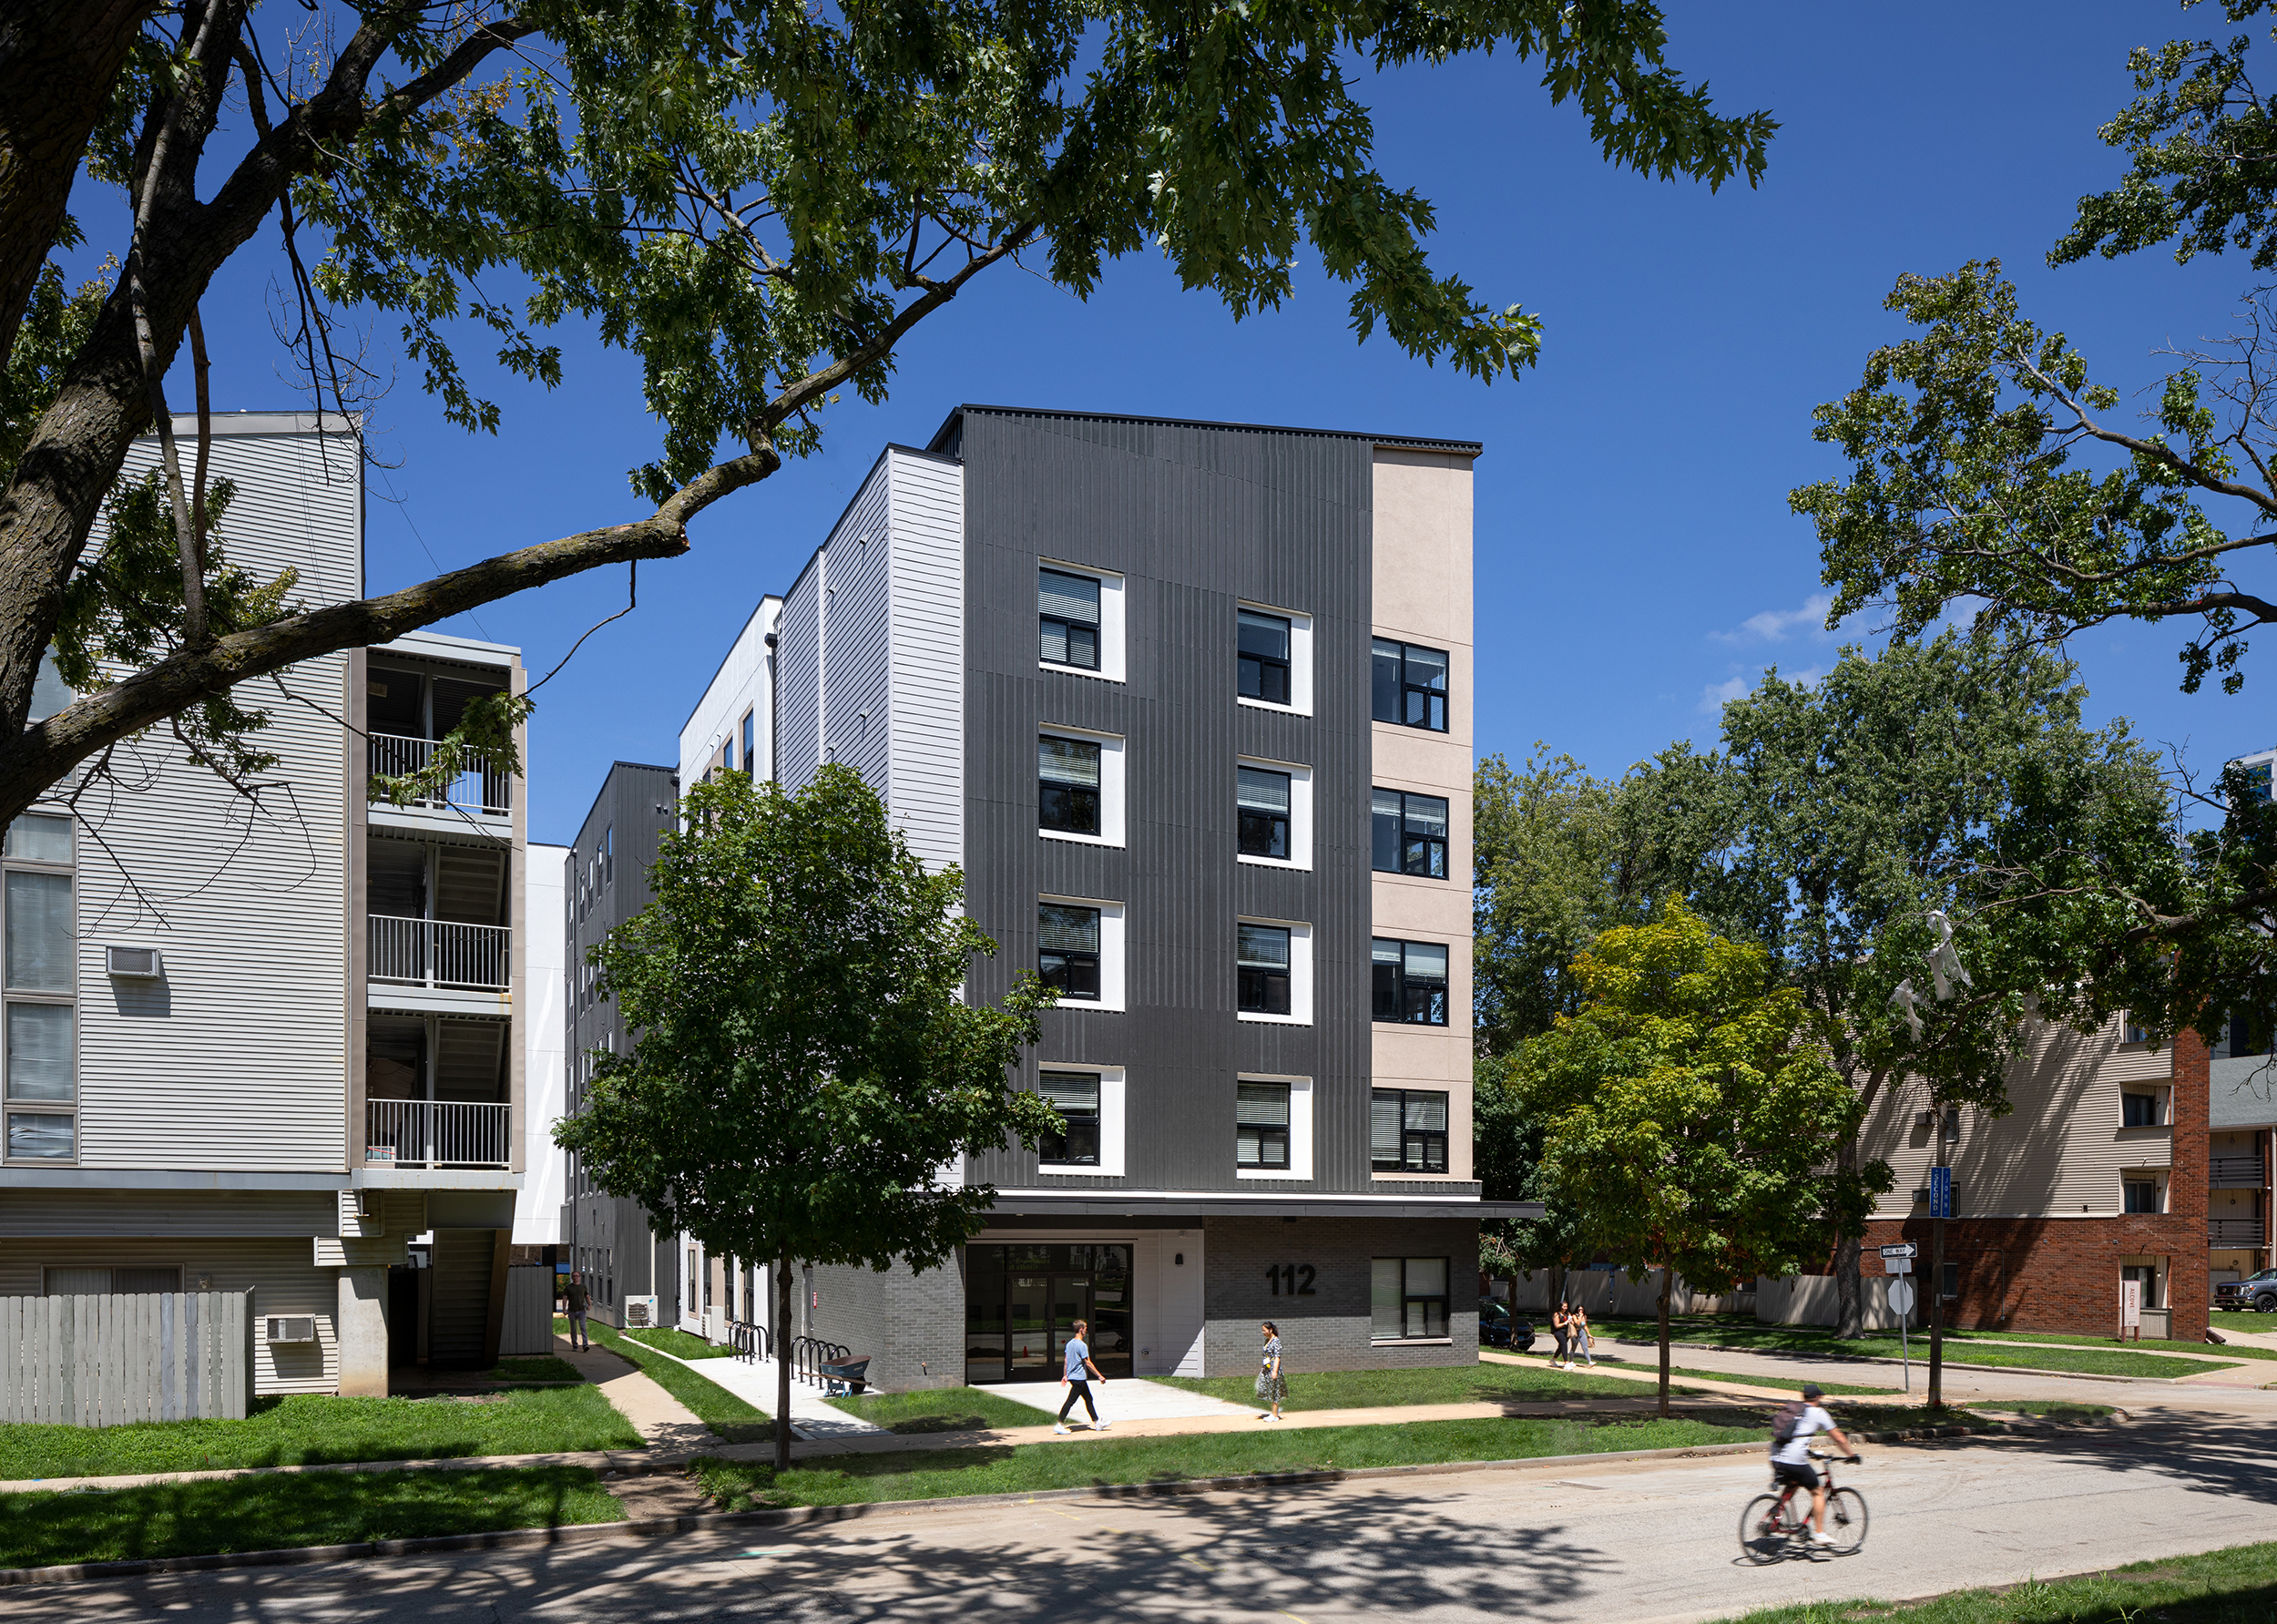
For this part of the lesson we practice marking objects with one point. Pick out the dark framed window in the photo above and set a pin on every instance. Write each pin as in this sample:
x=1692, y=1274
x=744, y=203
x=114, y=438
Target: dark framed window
x=2142, y=1195
x=1407, y=1298
x=1411, y=982
x=1953, y=1280
x=1407, y=1131
x=1409, y=834
x=2139, y=1110
x=1261, y=1135
x=1409, y=685
x=1263, y=812
x=1067, y=950
x=1264, y=657
x=1067, y=615
x=1262, y=968
x=1076, y=1096
x=1068, y=791
x=2248, y=1032
x=750, y=729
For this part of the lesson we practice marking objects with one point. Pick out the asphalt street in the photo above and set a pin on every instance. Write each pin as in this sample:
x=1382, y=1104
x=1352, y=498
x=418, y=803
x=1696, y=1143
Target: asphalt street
x=1652, y=1540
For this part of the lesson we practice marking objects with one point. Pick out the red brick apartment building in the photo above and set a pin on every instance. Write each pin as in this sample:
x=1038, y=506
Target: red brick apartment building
x=2100, y=1174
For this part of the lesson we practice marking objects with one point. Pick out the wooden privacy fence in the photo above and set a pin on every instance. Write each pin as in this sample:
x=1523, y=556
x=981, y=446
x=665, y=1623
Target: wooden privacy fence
x=110, y=1360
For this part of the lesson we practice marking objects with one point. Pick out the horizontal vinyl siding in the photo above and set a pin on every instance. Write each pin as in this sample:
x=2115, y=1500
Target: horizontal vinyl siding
x=238, y=1058
x=281, y=1273
x=797, y=688
x=856, y=725
x=927, y=656
x=169, y=1214
x=2059, y=1153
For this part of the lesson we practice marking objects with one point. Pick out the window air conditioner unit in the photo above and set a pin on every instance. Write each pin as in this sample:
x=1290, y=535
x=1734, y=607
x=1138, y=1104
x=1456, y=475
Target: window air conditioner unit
x=1924, y=1118
x=291, y=1327
x=137, y=964
x=639, y=1313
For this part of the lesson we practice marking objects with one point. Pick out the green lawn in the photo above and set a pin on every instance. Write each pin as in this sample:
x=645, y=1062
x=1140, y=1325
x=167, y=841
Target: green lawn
x=1650, y=1364
x=1482, y=1382
x=535, y=1370
x=733, y=1420
x=304, y=1428
x=2105, y=1360
x=2225, y=1319
x=253, y=1513
x=1087, y=1461
x=679, y=1343
x=946, y=1410
x=2237, y=1585
x=2148, y=1344
x=2055, y=1409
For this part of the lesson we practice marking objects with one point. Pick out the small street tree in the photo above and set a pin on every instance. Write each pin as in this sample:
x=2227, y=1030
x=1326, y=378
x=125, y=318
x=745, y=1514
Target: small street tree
x=1690, y=1110
x=803, y=1065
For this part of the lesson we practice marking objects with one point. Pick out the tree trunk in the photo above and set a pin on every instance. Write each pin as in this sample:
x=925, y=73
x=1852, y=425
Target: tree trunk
x=1667, y=1282
x=781, y=1350
x=1850, y=1314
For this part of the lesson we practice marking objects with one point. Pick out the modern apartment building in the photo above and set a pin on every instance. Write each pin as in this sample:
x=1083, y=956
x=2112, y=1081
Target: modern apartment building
x=1190, y=705
x=604, y=883
x=544, y=1032
x=2098, y=1176
x=269, y=1042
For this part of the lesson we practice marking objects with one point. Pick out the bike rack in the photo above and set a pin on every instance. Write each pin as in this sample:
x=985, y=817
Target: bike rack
x=810, y=1353
x=749, y=1341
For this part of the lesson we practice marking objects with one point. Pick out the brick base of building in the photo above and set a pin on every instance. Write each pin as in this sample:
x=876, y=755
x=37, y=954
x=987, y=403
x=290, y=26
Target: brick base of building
x=2058, y=1274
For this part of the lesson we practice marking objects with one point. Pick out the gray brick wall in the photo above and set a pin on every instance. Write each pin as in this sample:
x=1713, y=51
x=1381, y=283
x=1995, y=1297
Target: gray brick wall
x=911, y=1325
x=1330, y=1330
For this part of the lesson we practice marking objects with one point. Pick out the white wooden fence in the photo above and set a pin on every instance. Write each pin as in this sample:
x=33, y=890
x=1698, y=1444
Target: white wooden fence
x=111, y=1359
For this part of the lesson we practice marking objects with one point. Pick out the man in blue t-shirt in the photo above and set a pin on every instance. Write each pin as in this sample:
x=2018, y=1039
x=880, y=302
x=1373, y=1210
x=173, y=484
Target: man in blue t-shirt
x=1080, y=1374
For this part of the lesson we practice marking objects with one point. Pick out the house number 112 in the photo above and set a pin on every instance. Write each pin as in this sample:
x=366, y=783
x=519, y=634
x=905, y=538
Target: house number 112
x=1291, y=1280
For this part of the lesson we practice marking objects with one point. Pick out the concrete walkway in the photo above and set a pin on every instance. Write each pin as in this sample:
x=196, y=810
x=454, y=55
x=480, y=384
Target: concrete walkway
x=1127, y=1398
x=661, y=1420
x=753, y=1381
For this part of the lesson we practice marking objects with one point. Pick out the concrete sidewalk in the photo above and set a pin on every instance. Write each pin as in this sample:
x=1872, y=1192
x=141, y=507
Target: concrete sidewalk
x=754, y=1382
x=661, y=1420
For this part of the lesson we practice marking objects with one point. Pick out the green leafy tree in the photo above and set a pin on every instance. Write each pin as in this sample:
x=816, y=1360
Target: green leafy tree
x=758, y=202
x=803, y=1063
x=1688, y=1109
x=1928, y=844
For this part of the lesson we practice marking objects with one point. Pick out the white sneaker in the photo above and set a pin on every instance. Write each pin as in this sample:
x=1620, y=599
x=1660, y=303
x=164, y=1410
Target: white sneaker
x=1262, y=1416
x=1819, y=1538
x=1098, y=1426
x=1059, y=1426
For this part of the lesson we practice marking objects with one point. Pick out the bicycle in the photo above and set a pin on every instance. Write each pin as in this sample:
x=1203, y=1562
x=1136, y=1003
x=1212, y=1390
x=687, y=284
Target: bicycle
x=1772, y=1524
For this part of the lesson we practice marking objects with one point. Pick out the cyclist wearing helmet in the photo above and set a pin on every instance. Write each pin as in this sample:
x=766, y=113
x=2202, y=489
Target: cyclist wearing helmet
x=1790, y=1459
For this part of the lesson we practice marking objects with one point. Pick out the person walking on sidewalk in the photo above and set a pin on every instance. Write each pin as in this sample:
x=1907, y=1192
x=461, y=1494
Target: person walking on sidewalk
x=1580, y=1332
x=1076, y=1382
x=573, y=1299
x=1271, y=1386
x=1560, y=1323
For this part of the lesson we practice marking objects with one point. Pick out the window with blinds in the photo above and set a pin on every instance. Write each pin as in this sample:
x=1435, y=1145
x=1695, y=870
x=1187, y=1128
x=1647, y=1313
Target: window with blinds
x=1067, y=950
x=1067, y=616
x=38, y=965
x=1262, y=812
x=1408, y=1130
x=1067, y=789
x=1409, y=834
x=1411, y=982
x=1262, y=1126
x=1407, y=1298
x=1261, y=969
x=1264, y=657
x=1409, y=685
x=1075, y=1095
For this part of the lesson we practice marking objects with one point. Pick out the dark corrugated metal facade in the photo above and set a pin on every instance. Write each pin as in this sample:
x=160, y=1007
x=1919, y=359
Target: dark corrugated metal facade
x=1196, y=517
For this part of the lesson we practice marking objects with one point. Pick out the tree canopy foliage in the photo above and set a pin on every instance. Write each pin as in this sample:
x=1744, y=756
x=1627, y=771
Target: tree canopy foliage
x=803, y=1063
x=757, y=201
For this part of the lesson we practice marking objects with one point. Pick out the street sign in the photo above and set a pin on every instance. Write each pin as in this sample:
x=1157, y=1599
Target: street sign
x=1901, y=1297
x=1897, y=1265
x=1940, y=1193
x=1903, y=1248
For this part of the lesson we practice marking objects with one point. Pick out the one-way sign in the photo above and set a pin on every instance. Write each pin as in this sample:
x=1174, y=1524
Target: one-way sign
x=1903, y=1248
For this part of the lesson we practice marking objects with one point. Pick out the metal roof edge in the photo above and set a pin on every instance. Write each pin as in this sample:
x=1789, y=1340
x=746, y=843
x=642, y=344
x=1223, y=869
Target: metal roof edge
x=1474, y=448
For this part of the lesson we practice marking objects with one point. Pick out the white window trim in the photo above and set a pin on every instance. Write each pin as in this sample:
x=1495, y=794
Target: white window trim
x=1300, y=814
x=1113, y=956
x=1299, y=1166
x=1111, y=1135
x=1300, y=661
x=1112, y=665
x=1111, y=781
x=1299, y=977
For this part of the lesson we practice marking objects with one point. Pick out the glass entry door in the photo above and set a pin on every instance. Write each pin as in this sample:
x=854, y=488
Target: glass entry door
x=1021, y=1303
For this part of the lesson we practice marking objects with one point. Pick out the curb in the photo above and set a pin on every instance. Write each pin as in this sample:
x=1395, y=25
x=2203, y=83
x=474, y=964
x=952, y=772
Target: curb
x=1997, y=1370
x=798, y=1516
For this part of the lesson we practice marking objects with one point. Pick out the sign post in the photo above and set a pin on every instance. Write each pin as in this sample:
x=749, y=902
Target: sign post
x=2129, y=1309
x=1899, y=1260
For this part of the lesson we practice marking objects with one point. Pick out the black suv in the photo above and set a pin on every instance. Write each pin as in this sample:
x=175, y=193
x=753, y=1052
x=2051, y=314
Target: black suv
x=2258, y=1291
x=1498, y=1329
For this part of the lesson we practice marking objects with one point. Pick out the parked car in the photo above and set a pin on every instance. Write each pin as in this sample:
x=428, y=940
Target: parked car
x=2258, y=1291
x=1498, y=1328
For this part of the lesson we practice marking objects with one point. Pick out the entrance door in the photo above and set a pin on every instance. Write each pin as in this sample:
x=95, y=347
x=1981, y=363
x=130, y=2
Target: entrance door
x=1071, y=1301
x=1032, y=1354
x=1021, y=1303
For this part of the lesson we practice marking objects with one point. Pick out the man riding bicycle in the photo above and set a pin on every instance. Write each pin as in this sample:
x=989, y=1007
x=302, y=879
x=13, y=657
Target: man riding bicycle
x=1790, y=1459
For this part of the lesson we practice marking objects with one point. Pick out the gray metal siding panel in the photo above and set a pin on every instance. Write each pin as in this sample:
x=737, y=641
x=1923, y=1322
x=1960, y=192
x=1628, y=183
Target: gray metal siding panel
x=927, y=656
x=1195, y=518
x=856, y=602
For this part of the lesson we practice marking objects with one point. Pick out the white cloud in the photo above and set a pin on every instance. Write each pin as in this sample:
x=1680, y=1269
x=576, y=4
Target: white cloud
x=1773, y=625
x=1717, y=695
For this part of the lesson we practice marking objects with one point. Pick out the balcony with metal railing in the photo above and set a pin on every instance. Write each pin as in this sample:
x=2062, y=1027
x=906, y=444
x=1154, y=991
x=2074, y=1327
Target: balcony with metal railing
x=437, y=1133
x=2233, y=1232
x=2235, y=1173
x=436, y=953
x=485, y=790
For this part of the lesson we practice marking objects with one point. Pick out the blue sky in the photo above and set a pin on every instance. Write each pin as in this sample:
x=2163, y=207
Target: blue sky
x=1635, y=554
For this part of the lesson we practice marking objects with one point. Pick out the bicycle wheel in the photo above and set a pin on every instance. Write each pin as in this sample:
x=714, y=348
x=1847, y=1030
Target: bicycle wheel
x=1845, y=1520
x=1763, y=1530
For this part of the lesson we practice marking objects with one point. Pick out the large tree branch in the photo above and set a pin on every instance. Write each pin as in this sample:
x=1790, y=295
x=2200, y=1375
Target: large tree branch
x=51, y=749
